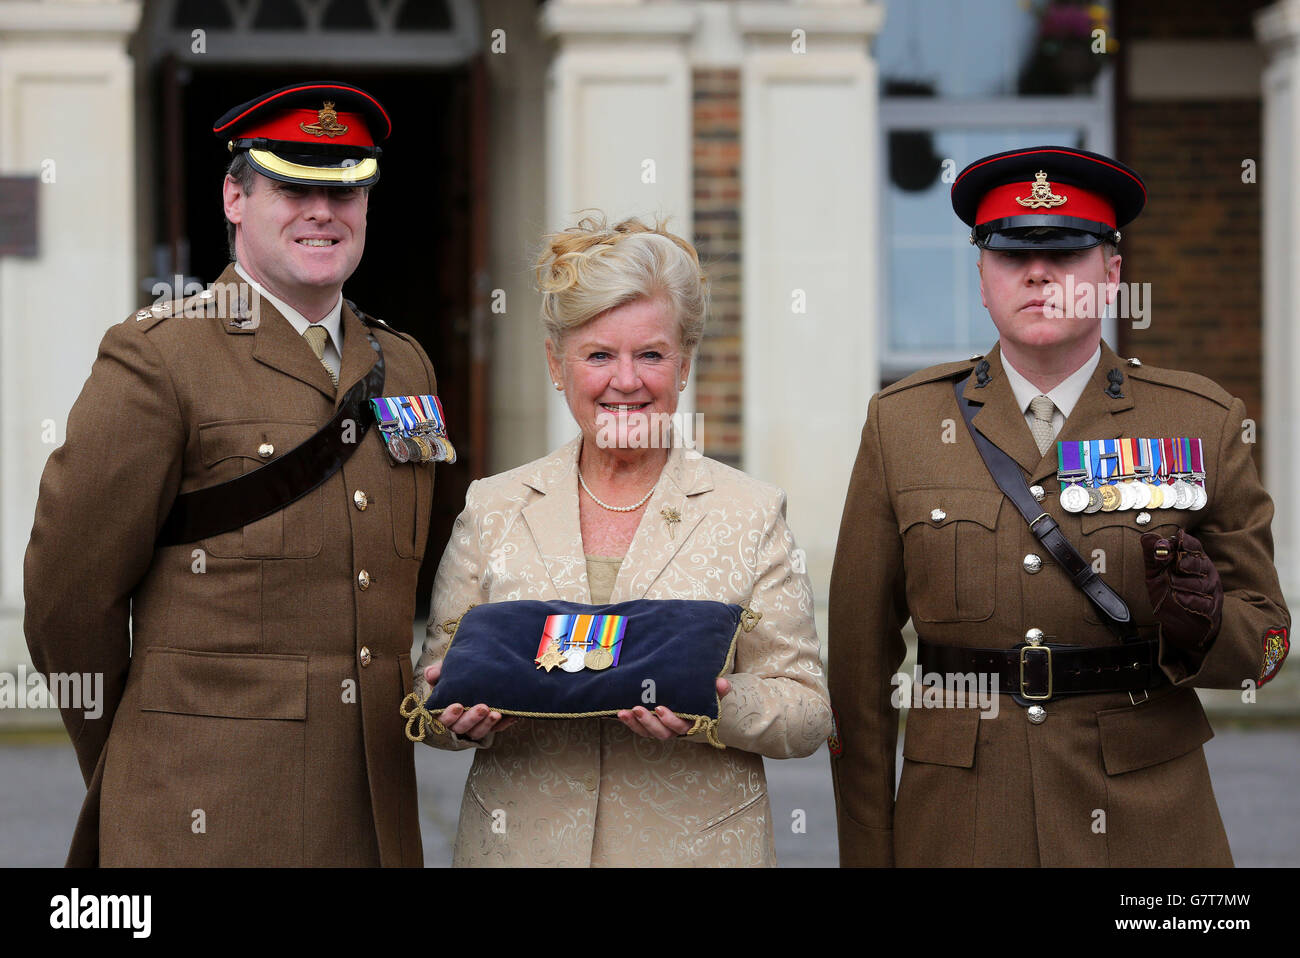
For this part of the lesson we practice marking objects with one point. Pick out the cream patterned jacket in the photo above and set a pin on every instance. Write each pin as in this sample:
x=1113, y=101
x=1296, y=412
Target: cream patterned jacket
x=589, y=792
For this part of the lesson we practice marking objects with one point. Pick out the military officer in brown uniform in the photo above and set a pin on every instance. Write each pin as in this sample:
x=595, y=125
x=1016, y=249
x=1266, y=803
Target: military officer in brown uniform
x=1092, y=752
x=226, y=539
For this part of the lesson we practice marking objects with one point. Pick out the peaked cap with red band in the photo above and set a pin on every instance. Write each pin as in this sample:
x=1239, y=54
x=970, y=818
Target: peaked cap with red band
x=1069, y=199
x=317, y=133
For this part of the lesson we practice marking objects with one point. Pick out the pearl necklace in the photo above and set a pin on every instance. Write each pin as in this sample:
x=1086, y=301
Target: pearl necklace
x=605, y=505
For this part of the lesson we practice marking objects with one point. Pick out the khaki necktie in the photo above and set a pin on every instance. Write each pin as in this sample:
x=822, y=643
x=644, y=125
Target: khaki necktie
x=316, y=335
x=1041, y=427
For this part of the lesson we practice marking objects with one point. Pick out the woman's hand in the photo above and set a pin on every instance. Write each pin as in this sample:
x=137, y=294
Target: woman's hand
x=661, y=722
x=471, y=723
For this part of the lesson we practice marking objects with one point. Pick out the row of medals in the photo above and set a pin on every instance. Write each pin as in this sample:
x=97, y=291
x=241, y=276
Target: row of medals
x=1133, y=494
x=407, y=447
x=597, y=659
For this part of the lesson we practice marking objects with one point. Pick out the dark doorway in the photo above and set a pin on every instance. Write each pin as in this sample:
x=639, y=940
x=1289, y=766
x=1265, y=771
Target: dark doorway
x=417, y=271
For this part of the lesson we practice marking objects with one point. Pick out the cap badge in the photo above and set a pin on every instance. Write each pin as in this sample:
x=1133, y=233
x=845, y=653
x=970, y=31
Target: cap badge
x=1040, y=193
x=327, y=124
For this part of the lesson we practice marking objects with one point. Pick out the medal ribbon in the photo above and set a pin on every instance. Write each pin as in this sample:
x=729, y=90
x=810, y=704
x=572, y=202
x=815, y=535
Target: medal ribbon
x=1106, y=457
x=555, y=631
x=581, y=638
x=610, y=630
x=1126, y=457
x=1157, y=461
x=1198, y=465
x=1068, y=455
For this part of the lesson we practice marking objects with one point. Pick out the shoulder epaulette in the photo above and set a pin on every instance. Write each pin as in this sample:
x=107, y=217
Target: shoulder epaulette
x=1180, y=379
x=932, y=374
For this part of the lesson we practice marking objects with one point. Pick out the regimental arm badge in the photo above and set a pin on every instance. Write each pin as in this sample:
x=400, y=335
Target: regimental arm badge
x=1040, y=194
x=327, y=122
x=833, y=742
x=1276, y=647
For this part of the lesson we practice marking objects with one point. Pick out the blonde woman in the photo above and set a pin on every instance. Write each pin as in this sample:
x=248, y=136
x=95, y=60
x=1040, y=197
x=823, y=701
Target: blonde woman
x=612, y=516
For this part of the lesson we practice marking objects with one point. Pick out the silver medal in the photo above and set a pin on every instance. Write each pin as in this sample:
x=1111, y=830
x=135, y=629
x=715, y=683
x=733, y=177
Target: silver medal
x=1074, y=498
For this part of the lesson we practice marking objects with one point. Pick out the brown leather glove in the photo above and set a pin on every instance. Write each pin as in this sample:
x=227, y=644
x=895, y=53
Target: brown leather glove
x=1185, y=590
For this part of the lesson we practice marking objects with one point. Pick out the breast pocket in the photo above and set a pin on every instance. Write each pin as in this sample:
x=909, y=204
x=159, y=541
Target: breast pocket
x=949, y=552
x=233, y=448
x=412, y=499
x=1112, y=543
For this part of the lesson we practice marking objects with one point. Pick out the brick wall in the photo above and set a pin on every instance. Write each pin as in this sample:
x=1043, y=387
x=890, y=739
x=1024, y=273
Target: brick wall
x=1198, y=241
x=716, y=134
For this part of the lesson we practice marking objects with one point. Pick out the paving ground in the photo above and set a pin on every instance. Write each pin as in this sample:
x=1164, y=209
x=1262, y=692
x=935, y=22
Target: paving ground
x=1256, y=774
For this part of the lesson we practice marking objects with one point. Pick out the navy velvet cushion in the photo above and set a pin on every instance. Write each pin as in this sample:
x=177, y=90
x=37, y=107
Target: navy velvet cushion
x=672, y=652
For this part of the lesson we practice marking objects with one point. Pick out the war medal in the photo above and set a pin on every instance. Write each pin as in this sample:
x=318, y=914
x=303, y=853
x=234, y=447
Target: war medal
x=1074, y=497
x=413, y=428
x=1198, y=476
x=608, y=635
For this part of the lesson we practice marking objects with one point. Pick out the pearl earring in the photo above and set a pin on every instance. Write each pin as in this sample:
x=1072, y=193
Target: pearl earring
x=559, y=388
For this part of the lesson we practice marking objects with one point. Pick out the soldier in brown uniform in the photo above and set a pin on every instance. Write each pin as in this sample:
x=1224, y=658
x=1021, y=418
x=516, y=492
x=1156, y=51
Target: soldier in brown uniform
x=255, y=637
x=1092, y=751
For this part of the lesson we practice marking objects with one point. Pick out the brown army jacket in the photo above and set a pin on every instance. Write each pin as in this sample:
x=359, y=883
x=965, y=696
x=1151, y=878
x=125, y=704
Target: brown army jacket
x=251, y=683
x=1101, y=781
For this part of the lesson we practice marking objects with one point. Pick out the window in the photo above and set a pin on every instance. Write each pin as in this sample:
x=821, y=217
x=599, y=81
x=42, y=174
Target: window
x=961, y=81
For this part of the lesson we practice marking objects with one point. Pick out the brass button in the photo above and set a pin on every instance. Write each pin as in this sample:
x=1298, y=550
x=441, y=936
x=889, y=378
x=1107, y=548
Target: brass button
x=361, y=500
x=1033, y=564
x=938, y=515
x=1037, y=492
x=363, y=580
x=365, y=656
x=1037, y=714
x=1034, y=636
x=266, y=450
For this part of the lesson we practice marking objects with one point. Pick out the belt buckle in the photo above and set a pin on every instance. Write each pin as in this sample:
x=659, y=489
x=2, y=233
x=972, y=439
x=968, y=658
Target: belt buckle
x=1024, y=651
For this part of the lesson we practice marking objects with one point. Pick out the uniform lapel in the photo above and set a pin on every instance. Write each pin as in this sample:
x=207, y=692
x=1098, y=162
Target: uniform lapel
x=279, y=346
x=358, y=356
x=671, y=516
x=1001, y=419
x=554, y=525
x=1094, y=415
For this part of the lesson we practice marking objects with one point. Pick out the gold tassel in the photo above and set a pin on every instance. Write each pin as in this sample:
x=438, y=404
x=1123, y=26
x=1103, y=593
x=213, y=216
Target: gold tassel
x=417, y=715
x=749, y=619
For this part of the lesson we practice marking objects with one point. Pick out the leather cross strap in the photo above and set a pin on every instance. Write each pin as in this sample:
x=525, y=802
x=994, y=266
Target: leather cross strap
x=1006, y=473
x=269, y=488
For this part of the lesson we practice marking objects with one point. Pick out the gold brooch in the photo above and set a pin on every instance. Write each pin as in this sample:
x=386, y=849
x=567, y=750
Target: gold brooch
x=1040, y=193
x=327, y=122
x=672, y=517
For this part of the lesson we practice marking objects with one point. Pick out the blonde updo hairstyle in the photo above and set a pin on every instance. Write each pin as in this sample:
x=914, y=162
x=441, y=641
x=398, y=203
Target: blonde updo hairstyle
x=590, y=268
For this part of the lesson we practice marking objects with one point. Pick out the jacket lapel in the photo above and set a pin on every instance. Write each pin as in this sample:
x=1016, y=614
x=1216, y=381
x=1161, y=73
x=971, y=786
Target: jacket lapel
x=671, y=515
x=1001, y=419
x=358, y=356
x=554, y=525
x=1094, y=415
x=279, y=346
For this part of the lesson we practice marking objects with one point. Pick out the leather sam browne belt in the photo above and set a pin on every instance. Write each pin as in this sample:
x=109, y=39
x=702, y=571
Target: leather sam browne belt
x=231, y=505
x=1039, y=673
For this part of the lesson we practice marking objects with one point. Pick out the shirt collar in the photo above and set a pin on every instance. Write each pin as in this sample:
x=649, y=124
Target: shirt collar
x=332, y=322
x=1066, y=393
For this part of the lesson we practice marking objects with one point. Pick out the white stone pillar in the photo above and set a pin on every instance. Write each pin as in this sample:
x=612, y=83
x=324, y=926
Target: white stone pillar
x=66, y=115
x=810, y=238
x=618, y=125
x=1278, y=29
